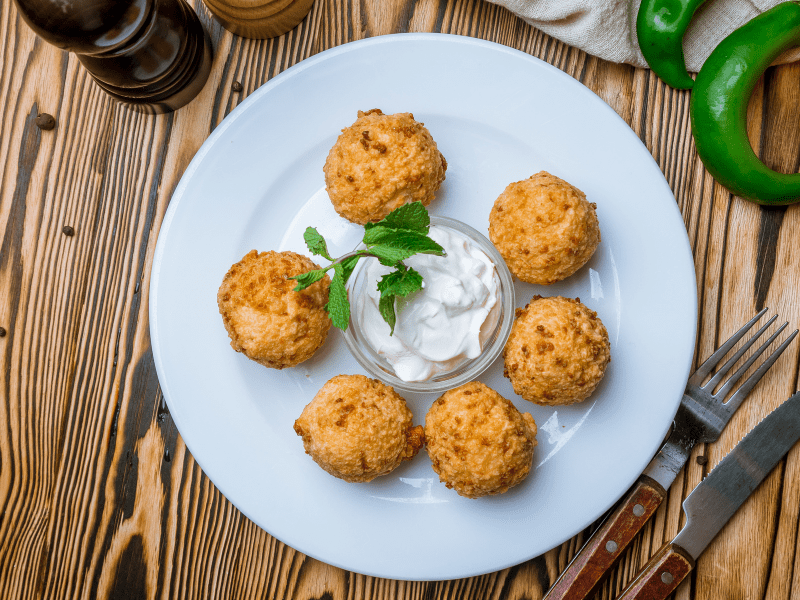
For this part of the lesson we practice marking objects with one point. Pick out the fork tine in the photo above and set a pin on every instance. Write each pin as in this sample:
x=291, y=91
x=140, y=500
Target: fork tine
x=723, y=370
x=713, y=360
x=723, y=391
x=751, y=381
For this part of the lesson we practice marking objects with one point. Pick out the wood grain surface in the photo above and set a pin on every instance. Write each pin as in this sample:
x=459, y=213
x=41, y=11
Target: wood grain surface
x=99, y=497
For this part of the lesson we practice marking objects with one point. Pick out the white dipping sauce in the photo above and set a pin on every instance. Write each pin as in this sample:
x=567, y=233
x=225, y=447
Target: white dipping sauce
x=446, y=322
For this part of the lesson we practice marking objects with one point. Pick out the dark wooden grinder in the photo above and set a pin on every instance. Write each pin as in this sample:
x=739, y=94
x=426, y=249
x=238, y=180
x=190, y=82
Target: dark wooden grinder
x=153, y=54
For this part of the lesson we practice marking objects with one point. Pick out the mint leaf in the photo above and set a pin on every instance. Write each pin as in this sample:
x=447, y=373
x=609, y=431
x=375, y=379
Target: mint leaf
x=416, y=243
x=338, y=307
x=389, y=256
x=410, y=217
x=402, y=282
x=386, y=308
x=377, y=235
x=316, y=243
x=306, y=279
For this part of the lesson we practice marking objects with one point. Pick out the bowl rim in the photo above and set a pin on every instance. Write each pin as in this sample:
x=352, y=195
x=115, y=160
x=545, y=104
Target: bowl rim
x=466, y=371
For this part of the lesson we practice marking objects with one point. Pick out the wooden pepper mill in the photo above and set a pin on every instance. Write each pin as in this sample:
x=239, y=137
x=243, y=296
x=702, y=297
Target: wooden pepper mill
x=259, y=19
x=153, y=54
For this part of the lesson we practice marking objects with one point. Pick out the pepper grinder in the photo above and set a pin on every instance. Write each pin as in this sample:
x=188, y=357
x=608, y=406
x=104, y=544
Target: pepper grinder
x=153, y=54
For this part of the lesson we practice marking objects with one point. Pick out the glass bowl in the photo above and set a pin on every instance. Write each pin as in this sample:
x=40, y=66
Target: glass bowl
x=377, y=366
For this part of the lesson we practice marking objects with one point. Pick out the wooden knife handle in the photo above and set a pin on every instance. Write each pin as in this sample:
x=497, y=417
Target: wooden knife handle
x=585, y=573
x=659, y=577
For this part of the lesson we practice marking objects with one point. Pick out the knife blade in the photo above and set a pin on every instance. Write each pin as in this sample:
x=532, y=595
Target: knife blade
x=716, y=499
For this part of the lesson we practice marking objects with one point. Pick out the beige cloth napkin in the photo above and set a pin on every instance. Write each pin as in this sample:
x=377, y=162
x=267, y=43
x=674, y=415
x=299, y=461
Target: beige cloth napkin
x=607, y=28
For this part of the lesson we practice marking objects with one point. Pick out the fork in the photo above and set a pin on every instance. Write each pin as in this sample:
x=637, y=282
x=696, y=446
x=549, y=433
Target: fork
x=701, y=417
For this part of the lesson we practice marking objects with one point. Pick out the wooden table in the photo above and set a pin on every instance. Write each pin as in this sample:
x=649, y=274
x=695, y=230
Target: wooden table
x=99, y=497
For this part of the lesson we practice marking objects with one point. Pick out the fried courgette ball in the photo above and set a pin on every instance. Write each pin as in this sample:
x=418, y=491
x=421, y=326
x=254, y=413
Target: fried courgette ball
x=358, y=428
x=557, y=351
x=544, y=228
x=380, y=163
x=266, y=319
x=478, y=441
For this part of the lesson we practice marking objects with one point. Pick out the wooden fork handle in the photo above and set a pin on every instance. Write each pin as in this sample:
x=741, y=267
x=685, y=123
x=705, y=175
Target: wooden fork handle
x=586, y=572
x=661, y=575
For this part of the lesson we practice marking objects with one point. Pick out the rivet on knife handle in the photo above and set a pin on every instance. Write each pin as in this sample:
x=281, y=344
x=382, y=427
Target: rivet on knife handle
x=585, y=573
x=659, y=577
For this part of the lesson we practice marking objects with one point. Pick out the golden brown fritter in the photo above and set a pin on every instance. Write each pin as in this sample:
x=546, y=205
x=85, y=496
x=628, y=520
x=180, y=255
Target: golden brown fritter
x=557, y=351
x=479, y=443
x=380, y=163
x=544, y=228
x=358, y=428
x=265, y=318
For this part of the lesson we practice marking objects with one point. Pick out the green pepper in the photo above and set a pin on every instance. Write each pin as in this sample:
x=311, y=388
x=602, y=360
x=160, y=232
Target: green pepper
x=660, y=26
x=719, y=101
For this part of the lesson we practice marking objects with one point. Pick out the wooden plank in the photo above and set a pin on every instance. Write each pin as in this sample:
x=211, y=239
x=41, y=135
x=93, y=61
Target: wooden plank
x=99, y=497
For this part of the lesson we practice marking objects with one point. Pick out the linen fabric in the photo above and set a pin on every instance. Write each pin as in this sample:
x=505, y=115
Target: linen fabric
x=607, y=28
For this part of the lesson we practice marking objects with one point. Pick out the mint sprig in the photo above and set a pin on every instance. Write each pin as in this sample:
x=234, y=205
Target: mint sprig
x=398, y=236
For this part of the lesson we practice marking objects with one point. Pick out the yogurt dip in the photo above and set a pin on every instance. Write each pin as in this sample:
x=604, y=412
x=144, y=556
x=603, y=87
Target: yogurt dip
x=445, y=323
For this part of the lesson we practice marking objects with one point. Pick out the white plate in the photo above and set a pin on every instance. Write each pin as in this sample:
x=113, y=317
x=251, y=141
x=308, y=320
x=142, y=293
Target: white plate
x=498, y=115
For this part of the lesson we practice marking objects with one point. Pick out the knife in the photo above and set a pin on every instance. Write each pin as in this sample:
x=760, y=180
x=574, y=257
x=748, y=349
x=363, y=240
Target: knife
x=715, y=500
